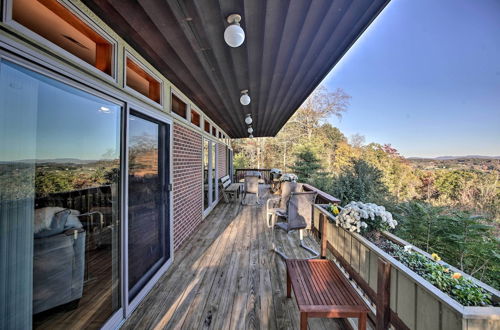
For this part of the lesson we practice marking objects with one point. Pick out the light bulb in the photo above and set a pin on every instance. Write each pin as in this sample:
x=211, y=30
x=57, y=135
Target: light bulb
x=248, y=120
x=250, y=130
x=234, y=35
x=245, y=99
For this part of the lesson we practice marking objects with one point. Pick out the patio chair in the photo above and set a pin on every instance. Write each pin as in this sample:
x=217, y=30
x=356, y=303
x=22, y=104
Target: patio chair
x=276, y=206
x=299, y=217
x=251, y=186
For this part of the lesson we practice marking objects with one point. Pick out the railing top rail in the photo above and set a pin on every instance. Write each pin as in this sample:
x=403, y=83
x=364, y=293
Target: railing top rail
x=323, y=195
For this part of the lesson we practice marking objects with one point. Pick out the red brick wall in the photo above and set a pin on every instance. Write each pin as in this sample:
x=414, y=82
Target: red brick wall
x=221, y=160
x=188, y=182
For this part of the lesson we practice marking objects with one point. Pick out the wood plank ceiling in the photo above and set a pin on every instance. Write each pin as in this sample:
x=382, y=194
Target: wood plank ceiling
x=290, y=47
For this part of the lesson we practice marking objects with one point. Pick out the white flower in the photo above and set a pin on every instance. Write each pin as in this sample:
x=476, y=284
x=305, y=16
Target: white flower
x=351, y=215
x=407, y=248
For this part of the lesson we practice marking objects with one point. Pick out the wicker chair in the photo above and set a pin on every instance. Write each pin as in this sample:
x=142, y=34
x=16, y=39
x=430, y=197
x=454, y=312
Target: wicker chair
x=299, y=217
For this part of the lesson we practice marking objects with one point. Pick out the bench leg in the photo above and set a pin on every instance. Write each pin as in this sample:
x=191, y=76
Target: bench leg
x=303, y=321
x=288, y=285
x=362, y=322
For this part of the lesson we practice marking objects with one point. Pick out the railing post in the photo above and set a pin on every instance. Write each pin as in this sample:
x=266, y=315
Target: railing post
x=383, y=294
x=322, y=231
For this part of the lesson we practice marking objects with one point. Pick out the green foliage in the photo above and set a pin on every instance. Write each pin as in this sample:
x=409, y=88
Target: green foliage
x=359, y=182
x=307, y=165
x=458, y=287
x=47, y=182
x=468, y=242
x=241, y=161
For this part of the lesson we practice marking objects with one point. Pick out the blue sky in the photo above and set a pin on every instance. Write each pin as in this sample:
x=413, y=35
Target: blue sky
x=425, y=77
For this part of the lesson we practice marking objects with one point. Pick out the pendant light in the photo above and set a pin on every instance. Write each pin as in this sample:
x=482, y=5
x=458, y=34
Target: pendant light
x=234, y=34
x=244, y=98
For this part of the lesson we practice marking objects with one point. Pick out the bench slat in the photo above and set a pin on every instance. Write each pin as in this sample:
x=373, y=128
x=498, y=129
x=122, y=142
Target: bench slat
x=319, y=283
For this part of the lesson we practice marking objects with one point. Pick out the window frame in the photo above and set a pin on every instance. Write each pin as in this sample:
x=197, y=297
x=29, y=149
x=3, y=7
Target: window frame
x=55, y=49
x=136, y=61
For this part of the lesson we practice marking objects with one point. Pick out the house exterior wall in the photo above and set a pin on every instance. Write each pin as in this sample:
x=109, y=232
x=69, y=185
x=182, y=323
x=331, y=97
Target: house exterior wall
x=187, y=182
x=186, y=147
x=221, y=160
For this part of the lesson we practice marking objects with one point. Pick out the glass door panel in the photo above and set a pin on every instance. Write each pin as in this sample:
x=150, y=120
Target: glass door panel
x=214, y=172
x=59, y=204
x=206, y=185
x=148, y=226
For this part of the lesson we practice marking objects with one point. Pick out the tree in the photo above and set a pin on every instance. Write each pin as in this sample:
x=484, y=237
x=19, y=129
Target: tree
x=307, y=165
x=357, y=140
x=359, y=182
x=241, y=161
x=319, y=106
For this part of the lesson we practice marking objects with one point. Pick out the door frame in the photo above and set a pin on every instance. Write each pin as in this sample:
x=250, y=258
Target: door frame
x=211, y=202
x=129, y=306
x=118, y=316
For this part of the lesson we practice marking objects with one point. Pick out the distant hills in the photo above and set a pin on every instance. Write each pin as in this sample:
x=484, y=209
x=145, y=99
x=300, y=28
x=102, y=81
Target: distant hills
x=58, y=161
x=455, y=157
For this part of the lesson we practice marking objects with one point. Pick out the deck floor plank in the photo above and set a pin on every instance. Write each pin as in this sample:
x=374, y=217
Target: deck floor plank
x=226, y=277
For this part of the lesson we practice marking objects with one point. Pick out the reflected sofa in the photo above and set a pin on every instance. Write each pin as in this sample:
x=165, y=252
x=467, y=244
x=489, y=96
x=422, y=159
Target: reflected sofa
x=59, y=258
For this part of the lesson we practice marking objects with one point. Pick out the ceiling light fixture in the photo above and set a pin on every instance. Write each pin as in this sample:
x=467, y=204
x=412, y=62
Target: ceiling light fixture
x=234, y=34
x=244, y=98
x=248, y=119
x=250, y=130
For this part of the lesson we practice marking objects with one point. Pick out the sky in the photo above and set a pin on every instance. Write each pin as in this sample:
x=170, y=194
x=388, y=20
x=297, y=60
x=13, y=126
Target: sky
x=425, y=77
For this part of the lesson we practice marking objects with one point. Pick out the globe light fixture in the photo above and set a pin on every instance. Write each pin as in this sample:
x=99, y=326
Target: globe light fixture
x=234, y=34
x=248, y=119
x=250, y=130
x=250, y=136
x=245, y=99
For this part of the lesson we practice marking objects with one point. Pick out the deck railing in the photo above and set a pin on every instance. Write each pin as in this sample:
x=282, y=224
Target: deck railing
x=239, y=173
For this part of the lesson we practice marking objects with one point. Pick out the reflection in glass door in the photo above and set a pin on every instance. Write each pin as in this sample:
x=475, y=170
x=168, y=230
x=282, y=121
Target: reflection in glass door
x=59, y=204
x=148, y=203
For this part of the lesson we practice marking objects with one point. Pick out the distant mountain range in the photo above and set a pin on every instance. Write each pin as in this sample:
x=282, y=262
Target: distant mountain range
x=58, y=161
x=456, y=157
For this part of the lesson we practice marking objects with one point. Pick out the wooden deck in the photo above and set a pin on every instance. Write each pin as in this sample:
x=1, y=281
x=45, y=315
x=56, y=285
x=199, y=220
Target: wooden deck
x=226, y=277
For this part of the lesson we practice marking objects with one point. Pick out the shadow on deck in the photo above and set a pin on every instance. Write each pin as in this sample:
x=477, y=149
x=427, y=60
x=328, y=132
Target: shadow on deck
x=226, y=277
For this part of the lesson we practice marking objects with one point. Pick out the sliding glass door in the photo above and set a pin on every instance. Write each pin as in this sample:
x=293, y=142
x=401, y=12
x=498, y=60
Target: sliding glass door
x=148, y=200
x=59, y=203
x=210, y=185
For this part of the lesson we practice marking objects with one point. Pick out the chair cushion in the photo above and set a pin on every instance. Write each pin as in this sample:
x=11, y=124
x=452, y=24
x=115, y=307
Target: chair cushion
x=56, y=226
x=73, y=221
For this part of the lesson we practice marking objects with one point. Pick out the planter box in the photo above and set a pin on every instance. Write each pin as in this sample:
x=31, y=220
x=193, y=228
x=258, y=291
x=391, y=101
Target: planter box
x=414, y=303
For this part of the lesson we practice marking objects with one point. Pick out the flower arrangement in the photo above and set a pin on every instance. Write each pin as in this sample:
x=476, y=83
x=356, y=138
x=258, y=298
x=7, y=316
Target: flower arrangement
x=364, y=217
x=455, y=285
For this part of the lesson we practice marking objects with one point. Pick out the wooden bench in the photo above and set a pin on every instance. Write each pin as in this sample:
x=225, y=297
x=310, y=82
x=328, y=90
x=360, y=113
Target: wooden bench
x=229, y=189
x=321, y=290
